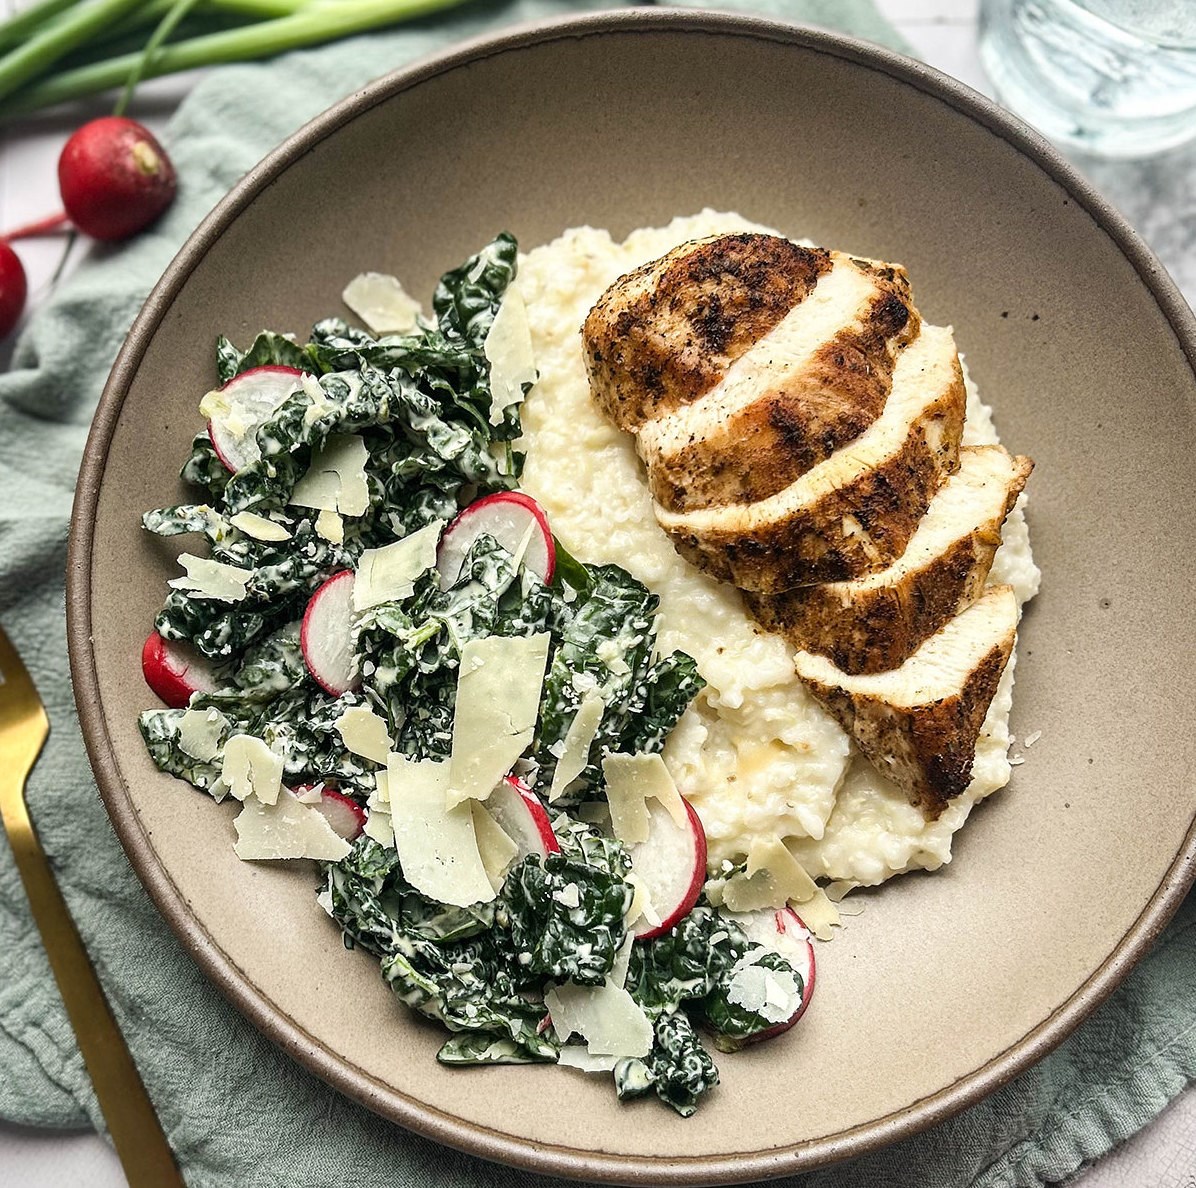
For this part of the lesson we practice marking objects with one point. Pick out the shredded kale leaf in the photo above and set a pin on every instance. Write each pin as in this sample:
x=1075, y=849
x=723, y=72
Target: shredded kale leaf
x=565, y=912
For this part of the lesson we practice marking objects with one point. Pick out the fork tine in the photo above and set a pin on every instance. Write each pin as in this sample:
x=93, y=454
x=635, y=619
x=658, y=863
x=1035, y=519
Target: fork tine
x=15, y=681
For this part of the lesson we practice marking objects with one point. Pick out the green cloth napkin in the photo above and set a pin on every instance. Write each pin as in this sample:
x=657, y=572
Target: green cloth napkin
x=237, y=1111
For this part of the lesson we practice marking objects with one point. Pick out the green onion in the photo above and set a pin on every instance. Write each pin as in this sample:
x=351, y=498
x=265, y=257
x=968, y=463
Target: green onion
x=44, y=48
x=160, y=34
x=31, y=76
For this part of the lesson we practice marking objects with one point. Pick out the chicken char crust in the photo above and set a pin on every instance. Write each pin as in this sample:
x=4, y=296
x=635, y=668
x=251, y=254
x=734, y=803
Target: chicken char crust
x=666, y=333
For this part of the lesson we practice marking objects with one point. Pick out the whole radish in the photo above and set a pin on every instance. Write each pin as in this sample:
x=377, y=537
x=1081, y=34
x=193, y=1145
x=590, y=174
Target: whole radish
x=13, y=288
x=115, y=178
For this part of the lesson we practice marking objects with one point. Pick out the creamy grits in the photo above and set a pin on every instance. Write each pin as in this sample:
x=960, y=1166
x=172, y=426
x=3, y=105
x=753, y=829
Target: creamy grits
x=755, y=754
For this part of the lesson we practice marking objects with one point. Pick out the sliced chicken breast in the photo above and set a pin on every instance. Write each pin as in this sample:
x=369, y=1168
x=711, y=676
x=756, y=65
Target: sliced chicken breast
x=666, y=333
x=875, y=623
x=918, y=724
x=855, y=512
x=814, y=382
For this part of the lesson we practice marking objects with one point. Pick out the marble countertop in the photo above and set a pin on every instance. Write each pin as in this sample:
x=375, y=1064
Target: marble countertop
x=1157, y=196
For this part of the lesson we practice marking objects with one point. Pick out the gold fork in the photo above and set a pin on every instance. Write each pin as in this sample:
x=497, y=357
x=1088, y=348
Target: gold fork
x=135, y=1129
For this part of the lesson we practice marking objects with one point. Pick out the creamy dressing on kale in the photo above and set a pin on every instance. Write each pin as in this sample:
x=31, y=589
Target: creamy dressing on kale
x=421, y=404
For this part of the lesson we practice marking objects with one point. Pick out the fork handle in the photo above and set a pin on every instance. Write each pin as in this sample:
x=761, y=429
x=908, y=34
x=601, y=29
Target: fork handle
x=136, y=1132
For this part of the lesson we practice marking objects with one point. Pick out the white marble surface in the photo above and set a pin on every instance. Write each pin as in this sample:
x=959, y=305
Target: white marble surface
x=1158, y=197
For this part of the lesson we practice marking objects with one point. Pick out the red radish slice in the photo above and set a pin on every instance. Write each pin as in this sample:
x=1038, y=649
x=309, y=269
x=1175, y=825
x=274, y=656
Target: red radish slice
x=342, y=812
x=174, y=670
x=506, y=516
x=672, y=866
x=249, y=401
x=522, y=817
x=326, y=637
x=783, y=932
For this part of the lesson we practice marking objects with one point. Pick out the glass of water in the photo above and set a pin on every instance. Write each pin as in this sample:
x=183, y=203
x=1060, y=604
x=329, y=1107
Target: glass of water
x=1113, y=77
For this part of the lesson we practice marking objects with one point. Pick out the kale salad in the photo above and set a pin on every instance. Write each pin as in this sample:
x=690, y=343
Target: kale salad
x=386, y=657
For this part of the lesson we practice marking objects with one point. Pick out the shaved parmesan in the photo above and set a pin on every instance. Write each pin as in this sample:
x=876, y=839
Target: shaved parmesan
x=331, y=527
x=199, y=733
x=381, y=792
x=379, y=826
x=211, y=579
x=251, y=769
x=630, y=781
x=498, y=701
x=618, y=971
x=437, y=846
x=772, y=994
x=382, y=303
x=259, y=527
x=335, y=481
x=578, y=740
x=576, y=1057
x=508, y=349
x=286, y=829
x=498, y=851
x=629, y=815
x=606, y=1017
x=773, y=878
x=641, y=903
x=364, y=733
x=389, y=574
x=820, y=915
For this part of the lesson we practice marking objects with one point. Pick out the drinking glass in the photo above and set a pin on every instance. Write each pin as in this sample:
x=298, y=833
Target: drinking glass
x=1113, y=77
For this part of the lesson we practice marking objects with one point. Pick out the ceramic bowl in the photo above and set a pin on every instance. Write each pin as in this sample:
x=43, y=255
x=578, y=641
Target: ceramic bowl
x=948, y=984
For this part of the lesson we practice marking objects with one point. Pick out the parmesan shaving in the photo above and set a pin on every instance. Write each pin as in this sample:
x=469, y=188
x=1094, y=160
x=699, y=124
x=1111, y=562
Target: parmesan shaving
x=389, y=574
x=331, y=527
x=251, y=769
x=630, y=781
x=498, y=851
x=575, y=1057
x=286, y=829
x=820, y=915
x=773, y=878
x=364, y=733
x=578, y=740
x=606, y=1017
x=199, y=733
x=508, y=349
x=382, y=303
x=335, y=481
x=211, y=579
x=437, y=846
x=259, y=527
x=498, y=701
x=379, y=826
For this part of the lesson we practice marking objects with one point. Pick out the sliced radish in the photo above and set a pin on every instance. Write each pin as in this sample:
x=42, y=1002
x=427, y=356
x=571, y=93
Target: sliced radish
x=343, y=813
x=783, y=932
x=522, y=817
x=506, y=516
x=174, y=670
x=242, y=407
x=671, y=864
x=326, y=637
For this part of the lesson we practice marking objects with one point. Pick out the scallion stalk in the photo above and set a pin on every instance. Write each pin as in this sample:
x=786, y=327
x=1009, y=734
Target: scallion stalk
x=311, y=24
x=42, y=49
